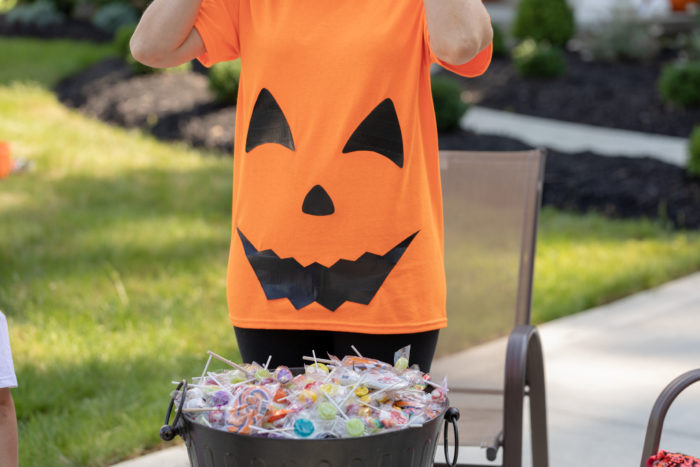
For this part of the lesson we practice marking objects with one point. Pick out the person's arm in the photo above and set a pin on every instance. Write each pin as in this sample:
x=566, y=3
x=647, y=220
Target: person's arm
x=459, y=29
x=8, y=429
x=165, y=36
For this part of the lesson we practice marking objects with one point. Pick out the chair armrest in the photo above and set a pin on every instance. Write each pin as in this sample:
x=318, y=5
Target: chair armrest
x=658, y=412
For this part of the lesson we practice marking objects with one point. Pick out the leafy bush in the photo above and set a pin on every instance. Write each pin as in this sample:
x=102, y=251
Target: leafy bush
x=112, y=16
x=499, y=43
x=680, y=83
x=694, y=152
x=39, y=14
x=544, y=20
x=538, y=60
x=223, y=81
x=447, y=99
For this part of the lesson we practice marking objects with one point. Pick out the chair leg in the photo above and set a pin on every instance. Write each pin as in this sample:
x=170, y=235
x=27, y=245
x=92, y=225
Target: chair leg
x=524, y=365
x=538, y=405
x=516, y=368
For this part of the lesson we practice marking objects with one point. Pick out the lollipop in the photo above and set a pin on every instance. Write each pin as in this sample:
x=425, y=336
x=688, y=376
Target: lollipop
x=303, y=427
x=248, y=409
x=283, y=375
x=355, y=427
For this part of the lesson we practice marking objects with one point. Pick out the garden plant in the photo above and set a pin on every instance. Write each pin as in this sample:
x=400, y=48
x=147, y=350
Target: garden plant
x=694, y=152
x=544, y=20
x=534, y=59
x=447, y=99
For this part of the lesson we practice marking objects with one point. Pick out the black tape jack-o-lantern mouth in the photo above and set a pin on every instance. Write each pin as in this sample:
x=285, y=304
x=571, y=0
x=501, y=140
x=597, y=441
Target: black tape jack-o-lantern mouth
x=346, y=280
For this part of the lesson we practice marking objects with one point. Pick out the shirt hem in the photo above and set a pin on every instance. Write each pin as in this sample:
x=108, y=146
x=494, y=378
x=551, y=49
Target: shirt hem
x=342, y=327
x=8, y=383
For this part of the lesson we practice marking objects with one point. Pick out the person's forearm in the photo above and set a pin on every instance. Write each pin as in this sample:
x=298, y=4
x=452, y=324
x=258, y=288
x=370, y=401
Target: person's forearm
x=8, y=429
x=165, y=36
x=459, y=29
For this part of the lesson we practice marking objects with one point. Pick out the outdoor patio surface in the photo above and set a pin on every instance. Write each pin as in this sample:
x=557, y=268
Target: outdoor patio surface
x=604, y=369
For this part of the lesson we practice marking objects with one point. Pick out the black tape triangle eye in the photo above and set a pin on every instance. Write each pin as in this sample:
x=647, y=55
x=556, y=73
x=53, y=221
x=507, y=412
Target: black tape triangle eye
x=268, y=124
x=379, y=132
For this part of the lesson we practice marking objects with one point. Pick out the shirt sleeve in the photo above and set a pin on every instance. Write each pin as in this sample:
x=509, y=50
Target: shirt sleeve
x=217, y=25
x=7, y=369
x=475, y=67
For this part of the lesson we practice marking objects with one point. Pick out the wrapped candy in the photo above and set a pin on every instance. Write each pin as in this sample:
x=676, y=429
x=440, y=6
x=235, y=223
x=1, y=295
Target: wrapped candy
x=332, y=398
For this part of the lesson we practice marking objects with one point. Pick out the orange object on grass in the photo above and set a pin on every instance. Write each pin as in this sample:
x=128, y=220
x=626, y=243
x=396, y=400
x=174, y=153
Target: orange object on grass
x=337, y=211
x=5, y=159
x=680, y=5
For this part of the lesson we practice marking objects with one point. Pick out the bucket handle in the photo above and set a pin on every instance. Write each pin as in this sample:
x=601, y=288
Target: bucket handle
x=451, y=416
x=167, y=431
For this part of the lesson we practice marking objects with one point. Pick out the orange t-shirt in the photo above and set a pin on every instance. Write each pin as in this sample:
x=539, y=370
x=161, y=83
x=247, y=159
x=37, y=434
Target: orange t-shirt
x=337, y=211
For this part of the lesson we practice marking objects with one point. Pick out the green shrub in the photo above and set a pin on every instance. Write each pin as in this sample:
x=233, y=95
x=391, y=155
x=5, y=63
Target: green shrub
x=39, y=14
x=499, y=42
x=544, y=20
x=223, y=81
x=112, y=16
x=694, y=152
x=447, y=99
x=538, y=60
x=680, y=83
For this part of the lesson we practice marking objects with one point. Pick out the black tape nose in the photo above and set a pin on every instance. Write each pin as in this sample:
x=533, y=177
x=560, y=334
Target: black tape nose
x=317, y=202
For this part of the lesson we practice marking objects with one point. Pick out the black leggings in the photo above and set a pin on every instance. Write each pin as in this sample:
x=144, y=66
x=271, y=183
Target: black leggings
x=288, y=346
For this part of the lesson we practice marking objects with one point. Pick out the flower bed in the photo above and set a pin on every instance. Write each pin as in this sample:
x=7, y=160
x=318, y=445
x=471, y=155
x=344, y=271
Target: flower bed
x=618, y=95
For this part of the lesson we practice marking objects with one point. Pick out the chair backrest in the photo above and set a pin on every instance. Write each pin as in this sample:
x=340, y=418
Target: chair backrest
x=491, y=203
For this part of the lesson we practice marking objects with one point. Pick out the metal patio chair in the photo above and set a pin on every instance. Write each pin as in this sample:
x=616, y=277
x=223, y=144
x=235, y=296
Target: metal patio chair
x=658, y=412
x=490, y=351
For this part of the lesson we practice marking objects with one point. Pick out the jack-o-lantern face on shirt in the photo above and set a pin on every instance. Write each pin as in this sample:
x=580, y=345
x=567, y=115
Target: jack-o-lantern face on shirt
x=354, y=280
x=336, y=177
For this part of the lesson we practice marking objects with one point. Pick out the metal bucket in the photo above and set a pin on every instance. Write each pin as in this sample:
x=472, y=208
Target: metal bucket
x=410, y=447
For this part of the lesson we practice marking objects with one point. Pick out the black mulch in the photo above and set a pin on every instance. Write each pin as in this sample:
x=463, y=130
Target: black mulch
x=179, y=107
x=71, y=29
x=619, y=95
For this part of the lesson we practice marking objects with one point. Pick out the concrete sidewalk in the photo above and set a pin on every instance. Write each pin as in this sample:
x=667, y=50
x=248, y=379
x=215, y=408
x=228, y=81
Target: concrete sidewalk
x=576, y=137
x=604, y=369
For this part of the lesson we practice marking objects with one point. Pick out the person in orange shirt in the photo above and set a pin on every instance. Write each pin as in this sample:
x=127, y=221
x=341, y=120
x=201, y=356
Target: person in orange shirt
x=337, y=214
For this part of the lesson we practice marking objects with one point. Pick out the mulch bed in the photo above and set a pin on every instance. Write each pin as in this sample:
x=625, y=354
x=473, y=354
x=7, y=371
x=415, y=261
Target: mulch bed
x=618, y=95
x=179, y=106
x=71, y=29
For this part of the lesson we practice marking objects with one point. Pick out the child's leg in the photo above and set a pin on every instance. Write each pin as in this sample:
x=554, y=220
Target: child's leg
x=383, y=346
x=286, y=346
x=8, y=429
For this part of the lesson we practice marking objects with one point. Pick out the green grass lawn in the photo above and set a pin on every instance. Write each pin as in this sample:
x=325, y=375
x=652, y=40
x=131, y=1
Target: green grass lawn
x=46, y=62
x=112, y=270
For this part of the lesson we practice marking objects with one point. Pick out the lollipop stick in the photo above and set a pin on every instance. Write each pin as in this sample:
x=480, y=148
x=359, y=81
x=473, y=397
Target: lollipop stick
x=206, y=367
x=211, y=375
x=335, y=404
x=373, y=407
x=322, y=360
x=201, y=409
x=313, y=352
x=385, y=389
x=242, y=382
x=267, y=362
x=228, y=362
x=352, y=391
x=356, y=351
